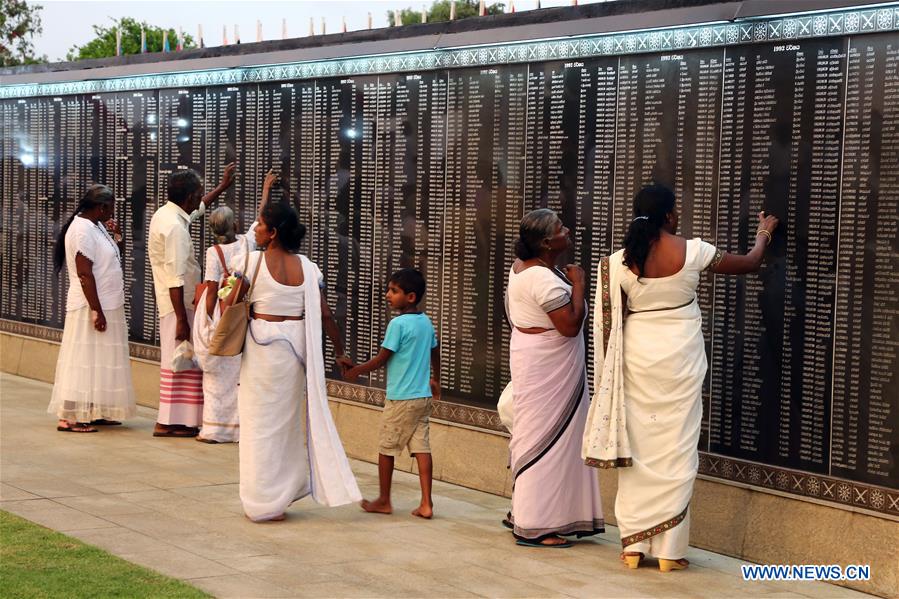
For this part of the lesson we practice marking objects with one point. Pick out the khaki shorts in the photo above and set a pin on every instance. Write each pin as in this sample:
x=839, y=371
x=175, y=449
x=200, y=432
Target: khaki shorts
x=404, y=423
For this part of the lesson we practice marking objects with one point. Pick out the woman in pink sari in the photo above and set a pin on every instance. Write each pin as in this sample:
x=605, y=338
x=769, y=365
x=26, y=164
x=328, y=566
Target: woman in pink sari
x=554, y=493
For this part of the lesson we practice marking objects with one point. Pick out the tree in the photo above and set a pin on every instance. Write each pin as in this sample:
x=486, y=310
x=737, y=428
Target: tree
x=440, y=11
x=103, y=45
x=19, y=23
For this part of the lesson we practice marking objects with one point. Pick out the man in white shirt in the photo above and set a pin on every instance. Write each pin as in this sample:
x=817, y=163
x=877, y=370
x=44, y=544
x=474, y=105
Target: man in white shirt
x=176, y=273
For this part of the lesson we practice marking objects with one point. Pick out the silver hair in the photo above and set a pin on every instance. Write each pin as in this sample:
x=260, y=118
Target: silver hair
x=536, y=226
x=222, y=225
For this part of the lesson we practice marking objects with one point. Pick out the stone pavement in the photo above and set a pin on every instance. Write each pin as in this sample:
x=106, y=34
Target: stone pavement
x=172, y=505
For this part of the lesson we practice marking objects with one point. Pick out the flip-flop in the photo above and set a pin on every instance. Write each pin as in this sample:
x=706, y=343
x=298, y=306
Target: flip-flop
x=507, y=521
x=210, y=441
x=178, y=432
x=84, y=428
x=525, y=543
x=105, y=422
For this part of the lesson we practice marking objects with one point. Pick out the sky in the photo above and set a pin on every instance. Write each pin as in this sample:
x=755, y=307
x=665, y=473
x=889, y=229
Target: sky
x=69, y=22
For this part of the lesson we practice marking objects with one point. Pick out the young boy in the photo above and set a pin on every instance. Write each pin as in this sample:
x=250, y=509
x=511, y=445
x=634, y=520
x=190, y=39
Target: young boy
x=410, y=352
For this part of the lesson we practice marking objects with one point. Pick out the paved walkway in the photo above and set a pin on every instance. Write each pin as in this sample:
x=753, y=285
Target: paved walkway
x=172, y=505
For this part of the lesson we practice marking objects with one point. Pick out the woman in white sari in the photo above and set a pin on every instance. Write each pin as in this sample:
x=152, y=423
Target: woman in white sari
x=554, y=494
x=221, y=373
x=650, y=365
x=289, y=446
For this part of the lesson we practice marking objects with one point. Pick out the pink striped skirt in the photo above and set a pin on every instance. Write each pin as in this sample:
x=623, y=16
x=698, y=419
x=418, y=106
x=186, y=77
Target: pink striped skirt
x=180, y=393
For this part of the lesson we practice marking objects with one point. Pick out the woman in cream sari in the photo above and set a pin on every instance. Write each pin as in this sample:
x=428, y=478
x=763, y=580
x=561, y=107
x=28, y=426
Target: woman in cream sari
x=554, y=494
x=289, y=446
x=650, y=365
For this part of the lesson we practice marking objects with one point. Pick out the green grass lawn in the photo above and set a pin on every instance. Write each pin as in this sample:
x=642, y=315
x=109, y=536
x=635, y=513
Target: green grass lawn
x=38, y=562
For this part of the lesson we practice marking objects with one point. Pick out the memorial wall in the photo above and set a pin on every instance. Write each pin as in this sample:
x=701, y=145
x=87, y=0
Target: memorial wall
x=431, y=159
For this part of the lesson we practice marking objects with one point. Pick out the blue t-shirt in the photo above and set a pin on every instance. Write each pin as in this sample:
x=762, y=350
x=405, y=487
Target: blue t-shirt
x=411, y=338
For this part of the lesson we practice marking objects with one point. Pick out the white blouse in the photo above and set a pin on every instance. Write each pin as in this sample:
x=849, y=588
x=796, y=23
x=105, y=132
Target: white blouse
x=268, y=296
x=92, y=241
x=533, y=293
x=214, y=270
x=664, y=293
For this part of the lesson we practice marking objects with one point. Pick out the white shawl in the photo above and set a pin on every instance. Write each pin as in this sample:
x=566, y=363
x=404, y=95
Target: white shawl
x=606, y=444
x=333, y=482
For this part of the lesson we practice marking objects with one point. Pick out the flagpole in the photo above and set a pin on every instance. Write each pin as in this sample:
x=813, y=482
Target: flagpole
x=284, y=28
x=118, y=41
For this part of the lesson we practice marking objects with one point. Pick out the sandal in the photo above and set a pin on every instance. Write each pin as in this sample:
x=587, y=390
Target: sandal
x=507, y=521
x=204, y=440
x=176, y=432
x=105, y=422
x=78, y=427
x=632, y=559
x=527, y=543
x=669, y=565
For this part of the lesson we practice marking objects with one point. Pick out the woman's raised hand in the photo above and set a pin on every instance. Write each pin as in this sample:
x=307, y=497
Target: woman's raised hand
x=575, y=274
x=767, y=223
x=270, y=179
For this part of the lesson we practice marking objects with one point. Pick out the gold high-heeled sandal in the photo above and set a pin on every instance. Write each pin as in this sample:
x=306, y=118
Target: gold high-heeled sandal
x=667, y=565
x=632, y=560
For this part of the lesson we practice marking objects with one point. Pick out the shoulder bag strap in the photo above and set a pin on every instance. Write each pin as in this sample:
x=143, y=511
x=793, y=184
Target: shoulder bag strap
x=255, y=274
x=221, y=254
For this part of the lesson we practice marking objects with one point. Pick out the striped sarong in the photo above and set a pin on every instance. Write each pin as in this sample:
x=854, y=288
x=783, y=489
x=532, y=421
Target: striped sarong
x=180, y=393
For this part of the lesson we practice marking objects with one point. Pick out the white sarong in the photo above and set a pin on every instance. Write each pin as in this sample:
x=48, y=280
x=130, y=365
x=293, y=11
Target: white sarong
x=93, y=371
x=221, y=377
x=289, y=446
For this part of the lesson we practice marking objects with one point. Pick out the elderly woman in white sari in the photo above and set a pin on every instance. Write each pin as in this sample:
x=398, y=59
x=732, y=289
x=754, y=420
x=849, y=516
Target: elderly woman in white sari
x=289, y=446
x=554, y=494
x=221, y=374
x=650, y=365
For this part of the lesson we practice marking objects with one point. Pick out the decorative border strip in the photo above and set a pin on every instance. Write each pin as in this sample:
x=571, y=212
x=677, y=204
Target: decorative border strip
x=442, y=410
x=655, y=530
x=711, y=35
x=837, y=491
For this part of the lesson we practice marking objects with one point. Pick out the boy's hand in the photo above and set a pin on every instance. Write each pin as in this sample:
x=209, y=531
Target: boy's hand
x=351, y=375
x=344, y=362
x=435, y=390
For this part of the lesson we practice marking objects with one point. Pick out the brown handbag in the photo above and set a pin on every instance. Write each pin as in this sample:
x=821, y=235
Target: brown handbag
x=231, y=331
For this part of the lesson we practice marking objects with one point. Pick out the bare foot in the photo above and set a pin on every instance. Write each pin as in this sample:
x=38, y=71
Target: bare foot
x=554, y=541
x=378, y=506
x=424, y=511
x=275, y=519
